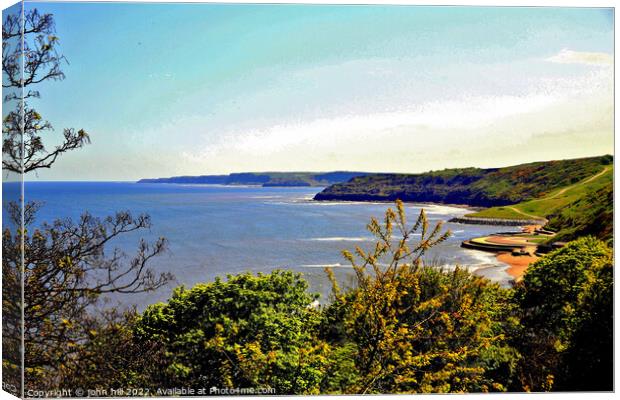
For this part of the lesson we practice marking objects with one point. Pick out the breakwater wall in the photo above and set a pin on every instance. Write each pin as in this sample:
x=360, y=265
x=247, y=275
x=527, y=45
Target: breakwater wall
x=497, y=221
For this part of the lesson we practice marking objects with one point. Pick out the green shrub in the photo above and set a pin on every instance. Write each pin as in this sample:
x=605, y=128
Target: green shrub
x=566, y=301
x=248, y=331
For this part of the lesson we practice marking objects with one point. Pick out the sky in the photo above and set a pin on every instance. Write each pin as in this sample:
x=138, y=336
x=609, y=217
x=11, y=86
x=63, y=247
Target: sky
x=192, y=89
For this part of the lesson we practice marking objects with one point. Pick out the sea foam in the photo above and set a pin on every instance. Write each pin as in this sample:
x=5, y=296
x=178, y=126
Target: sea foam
x=341, y=239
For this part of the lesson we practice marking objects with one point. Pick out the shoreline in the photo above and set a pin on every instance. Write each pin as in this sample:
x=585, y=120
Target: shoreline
x=496, y=273
x=387, y=201
x=458, y=220
x=462, y=219
x=392, y=201
x=517, y=264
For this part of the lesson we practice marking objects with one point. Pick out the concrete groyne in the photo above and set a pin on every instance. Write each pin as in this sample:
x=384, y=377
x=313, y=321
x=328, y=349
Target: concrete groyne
x=497, y=221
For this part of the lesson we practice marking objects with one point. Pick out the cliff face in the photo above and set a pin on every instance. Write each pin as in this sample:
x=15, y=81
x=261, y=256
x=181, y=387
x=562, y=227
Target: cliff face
x=458, y=198
x=471, y=186
x=446, y=193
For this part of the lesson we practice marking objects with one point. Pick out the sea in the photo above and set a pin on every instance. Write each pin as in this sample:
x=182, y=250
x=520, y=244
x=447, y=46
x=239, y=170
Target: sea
x=218, y=230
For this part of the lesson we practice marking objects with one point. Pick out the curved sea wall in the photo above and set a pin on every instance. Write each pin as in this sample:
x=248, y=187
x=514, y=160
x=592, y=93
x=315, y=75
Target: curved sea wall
x=497, y=221
x=492, y=247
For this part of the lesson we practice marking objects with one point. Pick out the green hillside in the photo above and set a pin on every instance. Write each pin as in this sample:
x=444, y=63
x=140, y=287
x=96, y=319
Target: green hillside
x=584, y=208
x=473, y=186
x=548, y=204
x=592, y=214
x=574, y=196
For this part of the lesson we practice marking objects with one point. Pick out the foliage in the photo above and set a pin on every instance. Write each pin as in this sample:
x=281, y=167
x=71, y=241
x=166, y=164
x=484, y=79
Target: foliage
x=566, y=302
x=246, y=332
x=404, y=327
x=11, y=320
x=109, y=357
x=29, y=56
x=414, y=328
x=472, y=186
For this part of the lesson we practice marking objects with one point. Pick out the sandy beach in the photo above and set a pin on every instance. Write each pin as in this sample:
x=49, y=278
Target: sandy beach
x=518, y=264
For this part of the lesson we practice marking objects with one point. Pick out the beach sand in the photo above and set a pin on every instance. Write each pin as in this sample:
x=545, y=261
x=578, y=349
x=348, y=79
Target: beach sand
x=518, y=264
x=531, y=228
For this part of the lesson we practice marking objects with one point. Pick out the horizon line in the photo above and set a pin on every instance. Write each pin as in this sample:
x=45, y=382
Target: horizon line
x=298, y=172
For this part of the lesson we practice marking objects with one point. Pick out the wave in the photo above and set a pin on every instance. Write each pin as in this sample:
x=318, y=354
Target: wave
x=341, y=239
x=346, y=203
x=482, y=258
x=335, y=265
x=468, y=267
x=433, y=210
x=442, y=209
x=209, y=185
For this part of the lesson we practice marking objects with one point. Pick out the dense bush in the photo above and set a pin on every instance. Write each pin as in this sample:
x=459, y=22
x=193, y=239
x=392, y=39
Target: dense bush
x=566, y=304
x=248, y=331
x=403, y=327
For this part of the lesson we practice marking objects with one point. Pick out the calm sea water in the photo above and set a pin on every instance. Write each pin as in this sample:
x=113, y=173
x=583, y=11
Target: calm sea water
x=218, y=230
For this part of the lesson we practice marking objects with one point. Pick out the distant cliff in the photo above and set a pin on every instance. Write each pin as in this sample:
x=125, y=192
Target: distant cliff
x=264, y=178
x=472, y=186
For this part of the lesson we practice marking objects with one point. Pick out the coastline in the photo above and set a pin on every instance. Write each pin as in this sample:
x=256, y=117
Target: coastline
x=509, y=269
x=518, y=259
x=392, y=201
x=496, y=273
x=424, y=205
x=517, y=264
x=459, y=220
x=509, y=265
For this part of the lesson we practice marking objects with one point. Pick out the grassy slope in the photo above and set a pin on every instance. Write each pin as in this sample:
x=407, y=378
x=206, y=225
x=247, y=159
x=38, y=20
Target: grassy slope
x=548, y=204
x=473, y=186
x=585, y=208
x=592, y=214
x=576, y=196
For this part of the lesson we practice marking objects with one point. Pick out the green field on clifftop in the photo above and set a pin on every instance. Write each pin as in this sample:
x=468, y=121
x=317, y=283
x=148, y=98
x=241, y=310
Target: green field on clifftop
x=575, y=196
x=548, y=204
x=472, y=186
x=584, y=208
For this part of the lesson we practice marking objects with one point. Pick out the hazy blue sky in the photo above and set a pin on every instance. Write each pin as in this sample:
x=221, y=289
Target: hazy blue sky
x=170, y=89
